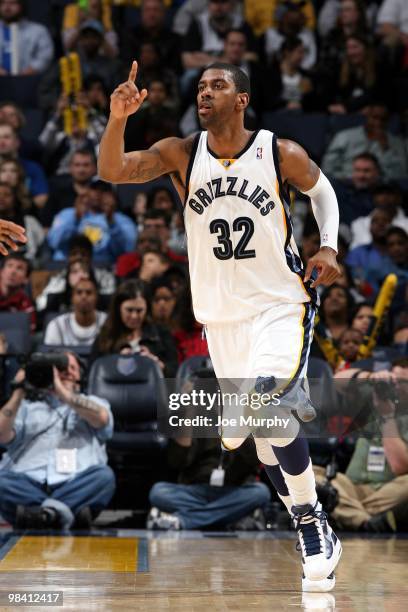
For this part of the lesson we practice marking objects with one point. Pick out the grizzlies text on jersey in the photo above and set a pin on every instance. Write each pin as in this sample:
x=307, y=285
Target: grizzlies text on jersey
x=242, y=255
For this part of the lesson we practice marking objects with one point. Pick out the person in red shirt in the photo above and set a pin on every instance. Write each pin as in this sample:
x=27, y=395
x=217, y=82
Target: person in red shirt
x=14, y=275
x=157, y=227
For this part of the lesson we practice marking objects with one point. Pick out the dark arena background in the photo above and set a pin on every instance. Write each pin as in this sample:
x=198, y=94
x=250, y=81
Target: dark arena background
x=112, y=497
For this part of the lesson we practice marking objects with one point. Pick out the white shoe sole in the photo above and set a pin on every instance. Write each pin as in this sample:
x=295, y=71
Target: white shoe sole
x=318, y=586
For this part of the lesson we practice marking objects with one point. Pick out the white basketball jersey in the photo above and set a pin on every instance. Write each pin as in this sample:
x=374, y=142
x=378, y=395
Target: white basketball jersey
x=242, y=255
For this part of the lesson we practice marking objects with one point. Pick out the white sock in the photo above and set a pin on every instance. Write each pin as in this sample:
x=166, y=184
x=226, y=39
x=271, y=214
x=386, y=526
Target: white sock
x=302, y=487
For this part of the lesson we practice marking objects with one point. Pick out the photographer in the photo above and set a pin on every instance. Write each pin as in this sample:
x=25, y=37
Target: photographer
x=373, y=493
x=54, y=473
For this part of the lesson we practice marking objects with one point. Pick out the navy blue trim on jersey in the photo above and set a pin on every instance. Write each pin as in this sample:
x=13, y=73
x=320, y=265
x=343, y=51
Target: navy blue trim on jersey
x=307, y=325
x=238, y=155
x=191, y=163
x=283, y=192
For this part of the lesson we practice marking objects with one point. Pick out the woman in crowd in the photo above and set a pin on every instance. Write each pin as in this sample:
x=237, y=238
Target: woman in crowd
x=362, y=317
x=289, y=86
x=336, y=310
x=12, y=173
x=359, y=79
x=129, y=323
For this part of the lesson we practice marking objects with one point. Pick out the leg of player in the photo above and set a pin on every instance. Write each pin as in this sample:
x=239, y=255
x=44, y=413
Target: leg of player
x=275, y=475
x=319, y=545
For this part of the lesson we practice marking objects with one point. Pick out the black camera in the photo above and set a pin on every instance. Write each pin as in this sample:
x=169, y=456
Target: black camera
x=39, y=375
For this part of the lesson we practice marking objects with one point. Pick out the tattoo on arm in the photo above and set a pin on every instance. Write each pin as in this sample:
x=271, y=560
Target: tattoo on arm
x=8, y=413
x=84, y=403
x=148, y=168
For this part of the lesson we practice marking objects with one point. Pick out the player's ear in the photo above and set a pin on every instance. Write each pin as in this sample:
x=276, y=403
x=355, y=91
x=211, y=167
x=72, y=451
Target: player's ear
x=242, y=101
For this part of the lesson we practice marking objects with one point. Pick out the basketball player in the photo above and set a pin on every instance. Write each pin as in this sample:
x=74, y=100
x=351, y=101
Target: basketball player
x=10, y=234
x=248, y=285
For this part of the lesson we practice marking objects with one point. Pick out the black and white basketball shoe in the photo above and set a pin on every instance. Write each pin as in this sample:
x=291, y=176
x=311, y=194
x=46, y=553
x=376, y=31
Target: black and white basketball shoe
x=319, y=545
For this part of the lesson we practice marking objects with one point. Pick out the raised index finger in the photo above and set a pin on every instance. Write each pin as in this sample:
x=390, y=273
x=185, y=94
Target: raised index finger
x=133, y=72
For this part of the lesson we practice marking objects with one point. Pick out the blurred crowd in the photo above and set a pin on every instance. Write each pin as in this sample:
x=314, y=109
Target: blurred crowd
x=106, y=266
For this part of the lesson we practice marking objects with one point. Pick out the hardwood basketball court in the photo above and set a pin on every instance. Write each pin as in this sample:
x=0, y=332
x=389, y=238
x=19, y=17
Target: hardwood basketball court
x=194, y=571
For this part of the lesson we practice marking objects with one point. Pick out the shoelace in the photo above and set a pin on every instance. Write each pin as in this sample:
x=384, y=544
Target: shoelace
x=310, y=533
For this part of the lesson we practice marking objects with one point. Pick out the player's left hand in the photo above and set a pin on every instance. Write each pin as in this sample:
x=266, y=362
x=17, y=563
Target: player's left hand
x=10, y=234
x=326, y=265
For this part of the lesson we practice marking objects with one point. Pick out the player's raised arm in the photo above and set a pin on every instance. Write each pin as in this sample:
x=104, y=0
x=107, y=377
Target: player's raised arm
x=116, y=166
x=301, y=172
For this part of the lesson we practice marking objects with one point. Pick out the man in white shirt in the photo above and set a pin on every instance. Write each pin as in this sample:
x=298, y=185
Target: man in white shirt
x=392, y=21
x=81, y=326
x=386, y=197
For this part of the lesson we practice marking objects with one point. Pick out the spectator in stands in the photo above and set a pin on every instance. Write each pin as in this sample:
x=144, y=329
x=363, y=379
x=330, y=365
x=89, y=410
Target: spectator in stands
x=352, y=21
x=355, y=196
x=188, y=333
x=152, y=66
x=288, y=86
x=64, y=191
x=14, y=276
x=12, y=173
x=10, y=210
x=37, y=181
x=129, y=323
x=77, y=269
x=373, y=492
x=76, y=15
x=153, y=264
x=90, y=45
x=387, y=197
x=362, y=317
x=156, y=120
x=349, y=345
x=290, y=24
x=364, y=260
x=97, y=97
x=163, y=303
x=204, y=39
x=59, y=146
x=336, y=310
x=392, y=22
x=159, y=224
x=360, y=78
x=198, y=500
x=334, y=11
x=374, y=138
x=152, y=29
x=400, y=337
x=394, y=262
x=12, y=114
x=82, y=325
x=94, y=214
x=26, y=47
x=263, y=14
x=80, y=248
x=44, y=482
